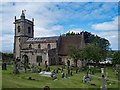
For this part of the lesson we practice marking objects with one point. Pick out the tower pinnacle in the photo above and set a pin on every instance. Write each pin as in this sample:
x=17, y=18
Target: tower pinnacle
x=23, y=14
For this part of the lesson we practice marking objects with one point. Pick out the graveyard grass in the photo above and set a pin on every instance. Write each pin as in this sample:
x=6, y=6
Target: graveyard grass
x=10, y=80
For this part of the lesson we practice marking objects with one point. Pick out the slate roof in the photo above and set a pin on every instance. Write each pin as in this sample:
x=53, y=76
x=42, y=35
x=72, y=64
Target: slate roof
x=43, y=39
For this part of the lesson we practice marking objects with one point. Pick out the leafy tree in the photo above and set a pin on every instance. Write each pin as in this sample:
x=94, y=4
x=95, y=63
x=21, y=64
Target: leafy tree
x=90, y=52
x=7, y=57
x=96, y=48
x=70, y=33
x=76, y=54
x=94, y=53
x=116, y=57
x=94, y=39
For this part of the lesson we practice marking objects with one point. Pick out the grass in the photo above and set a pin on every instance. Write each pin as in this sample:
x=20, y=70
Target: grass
x=10, y=80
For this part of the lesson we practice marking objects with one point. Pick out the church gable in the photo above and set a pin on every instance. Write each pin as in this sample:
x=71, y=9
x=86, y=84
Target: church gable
x=65, y=42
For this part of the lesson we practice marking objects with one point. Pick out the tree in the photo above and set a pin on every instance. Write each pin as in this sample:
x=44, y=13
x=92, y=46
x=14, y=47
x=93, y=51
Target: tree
x=94, y=39
x=76, y=54
x=7, y=57
x=96, y=48
x=116, y=57
x=93, y=52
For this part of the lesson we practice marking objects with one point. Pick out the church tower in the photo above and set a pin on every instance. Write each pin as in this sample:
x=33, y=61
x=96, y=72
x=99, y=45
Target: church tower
x=24, y=29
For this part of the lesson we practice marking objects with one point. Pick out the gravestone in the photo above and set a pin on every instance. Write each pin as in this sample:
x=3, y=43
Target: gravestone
x=54, y=77
x=40, y=69
x=63, y=75
x=46, y=74
x=66, y=75
x=36, y=69
x=84, y=79
x=48, y=69
x=19, y=67
x=103, y=81
x=77, y=70
x=30, y=78
x=33, y=68
x=46, y=65
x=62, y=68
x=89, y=70
x=4, y=66
x=56, y=70
x=53, y=71
x=71, y=73
x=25, y=68
x=15, y=70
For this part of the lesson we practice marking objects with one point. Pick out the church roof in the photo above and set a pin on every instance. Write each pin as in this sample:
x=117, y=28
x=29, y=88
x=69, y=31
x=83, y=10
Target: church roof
x=43, y=39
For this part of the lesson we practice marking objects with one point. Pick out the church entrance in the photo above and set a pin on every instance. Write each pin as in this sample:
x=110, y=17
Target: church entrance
x=25, y=59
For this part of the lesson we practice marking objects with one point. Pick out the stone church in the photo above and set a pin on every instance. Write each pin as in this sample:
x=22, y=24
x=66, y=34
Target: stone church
x=53, y=50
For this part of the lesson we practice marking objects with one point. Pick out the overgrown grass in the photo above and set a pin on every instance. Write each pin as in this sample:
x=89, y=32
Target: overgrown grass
x=10, y=80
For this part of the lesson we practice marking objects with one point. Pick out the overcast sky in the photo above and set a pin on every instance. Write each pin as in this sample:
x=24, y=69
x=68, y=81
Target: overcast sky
x=55, y=18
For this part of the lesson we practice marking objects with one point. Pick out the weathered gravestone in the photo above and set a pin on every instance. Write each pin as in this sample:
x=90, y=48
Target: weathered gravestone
x=46, y=74
x=68, y=67
x=40, y=69
x=77, y=70
x=63, y=75
x=4, y=66
x=25, y=68
x=48, y=69
x=66, y=75
x=36, y=69
x=54, y=77
x=71, y=73
x=86, y=78
x=33, y=68
x=103, y=81
x=56, y=70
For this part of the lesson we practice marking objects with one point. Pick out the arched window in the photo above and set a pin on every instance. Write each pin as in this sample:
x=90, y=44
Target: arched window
x=29, y=30
x=49, y=46
x=30, y=46
x=18, y=28
x=39, y=46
